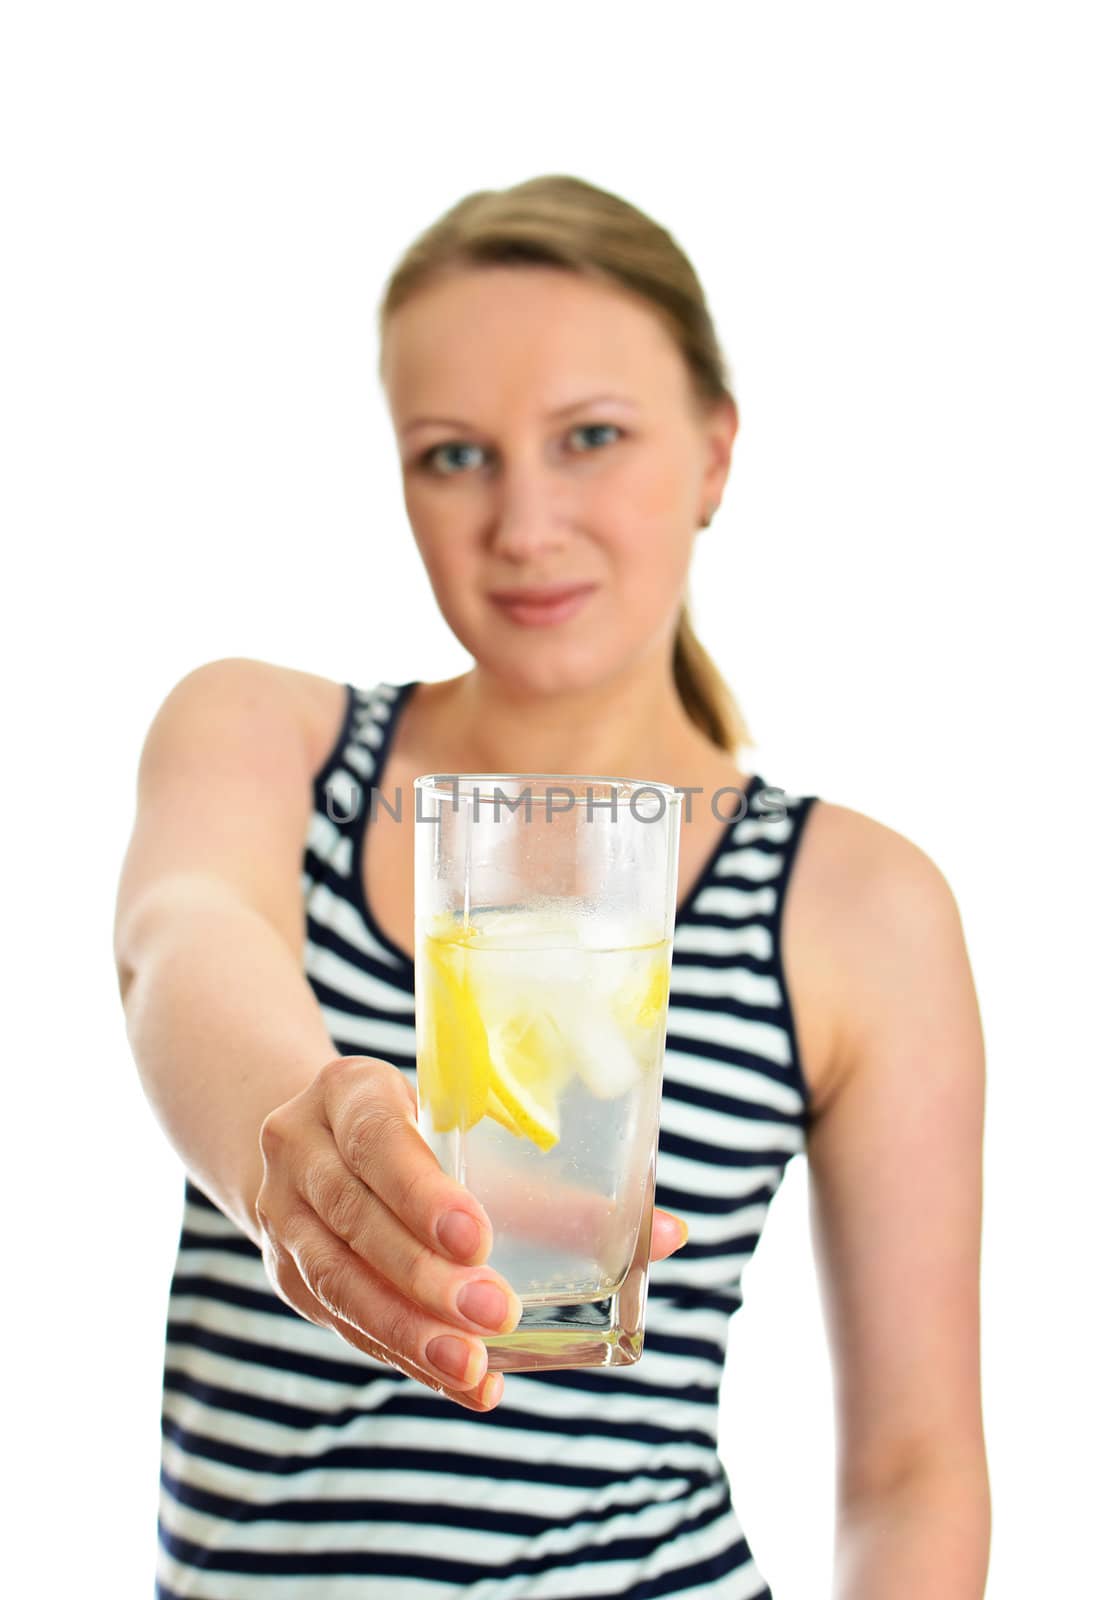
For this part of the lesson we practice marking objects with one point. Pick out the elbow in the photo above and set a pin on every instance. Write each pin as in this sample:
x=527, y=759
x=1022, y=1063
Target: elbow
x=140, y=926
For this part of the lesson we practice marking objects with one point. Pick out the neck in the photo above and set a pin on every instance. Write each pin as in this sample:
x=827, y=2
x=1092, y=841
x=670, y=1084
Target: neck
x=631, y=726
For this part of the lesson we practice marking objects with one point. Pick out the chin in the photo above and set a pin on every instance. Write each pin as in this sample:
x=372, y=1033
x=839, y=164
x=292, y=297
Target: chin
x=547, y=668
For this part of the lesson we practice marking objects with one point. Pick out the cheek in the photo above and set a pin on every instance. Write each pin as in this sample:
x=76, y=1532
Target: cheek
x=655, y=571
x=653, y=493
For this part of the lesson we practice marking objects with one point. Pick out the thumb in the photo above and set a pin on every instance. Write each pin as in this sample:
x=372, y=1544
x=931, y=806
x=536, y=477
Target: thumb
x=669, y=1234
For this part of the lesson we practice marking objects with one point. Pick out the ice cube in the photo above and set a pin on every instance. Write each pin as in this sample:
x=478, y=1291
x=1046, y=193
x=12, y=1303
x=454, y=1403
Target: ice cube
x=600, y=1051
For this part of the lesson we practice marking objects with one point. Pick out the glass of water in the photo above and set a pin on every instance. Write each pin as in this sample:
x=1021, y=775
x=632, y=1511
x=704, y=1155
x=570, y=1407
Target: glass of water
x=544, y=914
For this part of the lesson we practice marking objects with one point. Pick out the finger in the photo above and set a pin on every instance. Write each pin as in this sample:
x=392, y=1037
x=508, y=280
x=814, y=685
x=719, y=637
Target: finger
x=669, y=1235
x=369, y=1108
x=485, y=1397
x=392, y=1327
x=477, y=1298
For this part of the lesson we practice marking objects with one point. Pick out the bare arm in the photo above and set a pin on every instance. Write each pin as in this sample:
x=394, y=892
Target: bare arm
x=209, y=922
x=895, y=1154
x=317, y=1158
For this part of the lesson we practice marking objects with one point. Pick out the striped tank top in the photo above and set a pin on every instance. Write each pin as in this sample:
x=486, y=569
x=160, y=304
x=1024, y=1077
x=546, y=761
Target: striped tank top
x=294, y=1465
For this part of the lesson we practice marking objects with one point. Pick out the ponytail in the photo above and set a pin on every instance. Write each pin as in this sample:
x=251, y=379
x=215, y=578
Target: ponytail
x=704, y=693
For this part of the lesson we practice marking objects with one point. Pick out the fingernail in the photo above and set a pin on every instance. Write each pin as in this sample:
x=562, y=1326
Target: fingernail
x=456, y=1358
x=491, y=1390
x=684, y=1230
x=483, y=1302
x=459, y=1234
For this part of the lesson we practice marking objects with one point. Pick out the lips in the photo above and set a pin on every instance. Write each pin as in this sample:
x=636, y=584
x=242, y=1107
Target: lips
x=542, y=607
x=540, y=596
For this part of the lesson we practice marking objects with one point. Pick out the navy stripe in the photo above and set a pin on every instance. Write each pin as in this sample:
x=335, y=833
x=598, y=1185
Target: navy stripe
x=743, y=960
x=357, y=1456
x=725, y=1104
x=240, y=1246
x=353, y=1006
x=329, y=939
x=203, y=1287
x=487, y=1518
x=683, y=1201
x=411, y=1399
x=731, y=1055
x=412, y=1564
x=727, y=1562
x=700, y=1150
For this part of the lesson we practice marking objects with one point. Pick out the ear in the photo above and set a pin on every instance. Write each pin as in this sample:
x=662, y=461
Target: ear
x=720, y=431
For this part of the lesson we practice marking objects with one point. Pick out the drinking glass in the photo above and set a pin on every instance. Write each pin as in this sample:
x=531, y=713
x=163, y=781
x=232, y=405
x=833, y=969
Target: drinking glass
x=544, y=915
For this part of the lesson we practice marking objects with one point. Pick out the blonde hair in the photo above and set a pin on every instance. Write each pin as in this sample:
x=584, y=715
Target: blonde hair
x=563, y=221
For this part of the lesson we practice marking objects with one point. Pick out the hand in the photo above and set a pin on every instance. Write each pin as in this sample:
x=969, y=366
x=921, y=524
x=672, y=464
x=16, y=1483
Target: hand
x=349, y=1210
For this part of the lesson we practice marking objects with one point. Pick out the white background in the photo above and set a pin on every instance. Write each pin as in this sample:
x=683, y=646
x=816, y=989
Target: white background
x=897, y=218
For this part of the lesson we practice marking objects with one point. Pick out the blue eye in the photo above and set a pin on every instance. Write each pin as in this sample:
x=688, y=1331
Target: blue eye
x=433, y=459
x=440, y=449
x=597, y=427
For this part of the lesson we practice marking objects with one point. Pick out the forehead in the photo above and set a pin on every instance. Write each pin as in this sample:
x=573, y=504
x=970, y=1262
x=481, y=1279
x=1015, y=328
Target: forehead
x=522, y=331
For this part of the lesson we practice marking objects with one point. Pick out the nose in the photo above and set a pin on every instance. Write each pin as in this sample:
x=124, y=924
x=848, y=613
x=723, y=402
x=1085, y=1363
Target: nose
x=528, y=517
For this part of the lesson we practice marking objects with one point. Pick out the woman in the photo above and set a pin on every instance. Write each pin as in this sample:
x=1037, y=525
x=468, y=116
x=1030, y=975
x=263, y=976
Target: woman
x=565, y=426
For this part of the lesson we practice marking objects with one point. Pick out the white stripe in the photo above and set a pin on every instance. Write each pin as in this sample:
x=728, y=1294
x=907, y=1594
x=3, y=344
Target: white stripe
x=752, y=940
x=686, y=1322
x=754, y=864
x=730, y=1225
x=212, y=1224
x=755, y=827
x=351, y=982
x=651, y=1521
x=331, y=911
x=300, y=1337
x=323, y=837
x=727, y=1078
x=379, y=703
x=722, y=900
x=705, y=1178
x=379, y=698
x=370, y=1035
x=725, y=983
x=292, y=1335
x=767, y=1039
x=197, y=1584
x=345, y=795
x=430, y=1489
x=725, y=1131
x=358, y=759
x=609, y=1579
x=713, y=1274
x=464, y=1439
x=257, y=1382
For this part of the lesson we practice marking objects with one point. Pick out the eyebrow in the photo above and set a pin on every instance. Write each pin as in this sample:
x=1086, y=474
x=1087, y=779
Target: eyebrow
x=559, y=411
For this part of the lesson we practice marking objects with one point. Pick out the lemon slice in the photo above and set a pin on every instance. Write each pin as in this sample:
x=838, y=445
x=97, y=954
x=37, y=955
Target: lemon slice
x=454, y=1067
x=528, y=1070
x=640, y=1003
x=499, y=1113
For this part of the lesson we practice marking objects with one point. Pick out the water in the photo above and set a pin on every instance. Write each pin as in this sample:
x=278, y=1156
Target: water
x=540, y=1045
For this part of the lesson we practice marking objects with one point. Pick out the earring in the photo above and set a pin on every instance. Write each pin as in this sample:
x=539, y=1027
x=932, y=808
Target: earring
x=706, y=522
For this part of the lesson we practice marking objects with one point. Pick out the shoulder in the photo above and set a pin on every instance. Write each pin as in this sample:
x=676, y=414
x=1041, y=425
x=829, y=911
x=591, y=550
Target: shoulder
x=871, y=930
x=313, y=704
